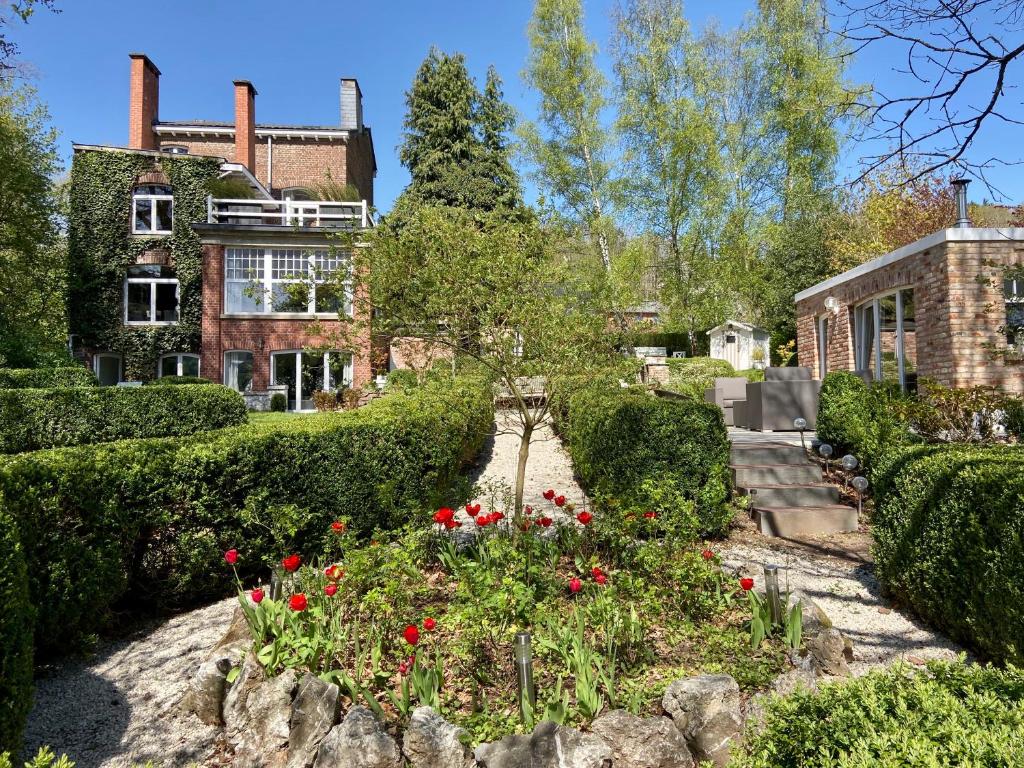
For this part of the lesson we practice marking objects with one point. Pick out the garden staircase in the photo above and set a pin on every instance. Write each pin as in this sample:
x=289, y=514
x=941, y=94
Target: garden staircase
x=789, y=496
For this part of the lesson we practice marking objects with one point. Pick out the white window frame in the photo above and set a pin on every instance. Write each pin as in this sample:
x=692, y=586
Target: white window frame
x=115, y=355
x=152, y=198
x=268, y=281
x=823, y=328
x=874, y=305
x=326, y=383
x=180, y=363
x=251, y=354
x=152, y=281
x=1016, y=297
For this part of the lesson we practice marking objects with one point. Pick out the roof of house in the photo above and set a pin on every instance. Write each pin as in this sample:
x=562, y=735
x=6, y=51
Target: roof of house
x=732, y=324
x=959, y=235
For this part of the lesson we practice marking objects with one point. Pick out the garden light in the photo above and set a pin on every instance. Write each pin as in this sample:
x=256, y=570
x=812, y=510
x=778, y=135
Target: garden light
x=275, y=585
x=771, y=588
x=860, y=484
x=826, y=452
x=849, y=462
x=524, y=672
x=801, y=424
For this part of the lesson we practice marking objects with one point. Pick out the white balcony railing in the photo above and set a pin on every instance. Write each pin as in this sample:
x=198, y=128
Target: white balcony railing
x=305, y=214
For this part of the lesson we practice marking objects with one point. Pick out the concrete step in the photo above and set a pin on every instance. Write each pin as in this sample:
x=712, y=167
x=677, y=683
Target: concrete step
x=787, y=522
x=768, y=453
x=794, y=495
x=749, y=475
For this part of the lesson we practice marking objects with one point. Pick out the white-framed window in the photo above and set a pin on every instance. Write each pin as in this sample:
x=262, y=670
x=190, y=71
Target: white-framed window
x=152, y=209
x=178, y=364
x=822, y=346
x=885, y=338
x=289, y=281
x=238, y=365
x=1013, y=295
x=107, y=367
x=150, y=295
x=304, y=373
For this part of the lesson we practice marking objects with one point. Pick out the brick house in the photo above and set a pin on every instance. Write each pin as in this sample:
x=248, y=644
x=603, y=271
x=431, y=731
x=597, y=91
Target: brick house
x=232, y=269
x=949, y=307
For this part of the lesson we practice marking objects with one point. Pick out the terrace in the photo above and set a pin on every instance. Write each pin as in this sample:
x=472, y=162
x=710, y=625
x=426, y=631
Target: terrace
x=296, y=214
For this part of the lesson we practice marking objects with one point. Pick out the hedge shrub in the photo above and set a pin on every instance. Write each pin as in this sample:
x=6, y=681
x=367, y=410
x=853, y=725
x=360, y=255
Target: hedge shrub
x=953, y=714
x=31, y=419
x=174, y=380
x=46, y=378
x=949, y=541
x=145, y=522
x=1014, y=417
x=16, y=619
x=628, y=444
x=693, y=375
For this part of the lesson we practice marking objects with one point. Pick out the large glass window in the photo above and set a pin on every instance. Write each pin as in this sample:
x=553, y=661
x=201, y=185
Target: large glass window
x=1013, y=291
x=885, y=338
x=107, y=367
x=238, y=370
x=822, y=346
x=150, y=295
x=304, y=373
x=286, y=280
x=152, y=209
x=182, y=364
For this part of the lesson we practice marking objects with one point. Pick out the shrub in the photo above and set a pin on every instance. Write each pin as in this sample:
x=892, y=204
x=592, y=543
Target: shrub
x=1013, y=419
x=324, y=400
x=31, y=419
x=401, y=379
x=44, y=378
x=278, y=403
x=692, y=375
x=949, y=540
x=860, y=419
x=752, y=374
x=172, y=380
x=142, y=521
x=953, y=714
x=16, y=619
x=626, y=442
x=955, y=415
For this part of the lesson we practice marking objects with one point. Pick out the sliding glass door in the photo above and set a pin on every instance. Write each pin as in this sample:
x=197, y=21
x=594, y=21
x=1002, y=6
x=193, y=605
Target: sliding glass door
x=885, y=342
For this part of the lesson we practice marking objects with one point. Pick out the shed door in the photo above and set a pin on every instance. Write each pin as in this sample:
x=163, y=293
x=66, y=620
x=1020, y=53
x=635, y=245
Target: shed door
x=732, y=348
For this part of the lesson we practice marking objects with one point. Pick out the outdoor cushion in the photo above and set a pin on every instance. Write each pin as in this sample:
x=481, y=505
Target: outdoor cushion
x=730, y=388
x=787, y=374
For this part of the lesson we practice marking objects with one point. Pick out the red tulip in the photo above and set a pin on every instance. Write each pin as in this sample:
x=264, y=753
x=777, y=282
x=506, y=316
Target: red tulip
x=560, y=501
x=429, y=624
x=483, y=520
x=331, y=590
x=403, y=668
x=449, y=524
x=585, y=517
x=707, y=554
x=544, y=521
x=549, y=494
x=747, y=584
x=575, y=585
x=496, y=516
x=256, y=596
x=443, y=515
x=596, y=571
x=528, y=510
x=333, y=572
x=412, y=634
x=650, y=515
x=338, y=527
x=298, y=602
x=601, y=579
x=291, y=563
x=231, y=556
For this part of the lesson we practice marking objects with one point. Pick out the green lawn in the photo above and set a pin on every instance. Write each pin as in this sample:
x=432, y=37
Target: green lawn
x=269, y=417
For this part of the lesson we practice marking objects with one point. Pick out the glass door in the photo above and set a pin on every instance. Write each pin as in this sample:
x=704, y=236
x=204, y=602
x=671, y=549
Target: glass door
x=307, y=372
x=284, y=369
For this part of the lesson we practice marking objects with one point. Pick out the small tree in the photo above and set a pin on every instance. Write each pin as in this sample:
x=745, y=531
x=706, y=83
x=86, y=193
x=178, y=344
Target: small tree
x=492, y=288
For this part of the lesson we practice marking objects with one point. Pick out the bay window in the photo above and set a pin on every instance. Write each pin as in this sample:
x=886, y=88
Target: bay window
x=152, y=209
x=150, y=295
x=299, y=281
x=179, y=364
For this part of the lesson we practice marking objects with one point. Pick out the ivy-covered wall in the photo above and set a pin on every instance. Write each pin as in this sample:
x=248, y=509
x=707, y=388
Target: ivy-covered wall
x=101, y=247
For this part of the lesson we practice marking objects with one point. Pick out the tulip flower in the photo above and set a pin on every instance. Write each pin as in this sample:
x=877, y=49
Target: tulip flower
x=333, y=572
x=560, y=501
x=528, y=510
x=443, y=515
x=585, y=517
x=544, y=522
x=338, y=526
x=596, y=571
x=331, y=590
x=291, y=563
x=707, y=554
x=650, y=515
x=297, y=602
x=231, y=556
x=549, y=494
x=747, y=584
x=601, y=579
x=256, y=596
x=575, y=585
x=429, y=624
x=411, y=634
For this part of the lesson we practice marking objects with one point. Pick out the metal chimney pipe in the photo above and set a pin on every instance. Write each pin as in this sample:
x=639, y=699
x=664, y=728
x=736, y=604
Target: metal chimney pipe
x=963, y=221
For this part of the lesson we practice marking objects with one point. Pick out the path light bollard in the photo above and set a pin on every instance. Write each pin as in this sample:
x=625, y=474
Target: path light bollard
x=524, y=672
x=276, y=585
x=849, y=462
x=801, y=424
x=860, y=483
x=771, y=589
x=826, y=452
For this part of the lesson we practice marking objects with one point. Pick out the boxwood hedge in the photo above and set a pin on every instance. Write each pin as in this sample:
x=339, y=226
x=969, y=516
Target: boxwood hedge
x=949, y=540
x=31, y=419
x=45, y=378
x=16, y=619
x=145, y=522
x=952, y=714
x=625, y=442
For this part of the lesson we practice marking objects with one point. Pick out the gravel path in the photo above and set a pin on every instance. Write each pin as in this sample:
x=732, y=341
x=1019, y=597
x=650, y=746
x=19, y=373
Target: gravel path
x=121, y=706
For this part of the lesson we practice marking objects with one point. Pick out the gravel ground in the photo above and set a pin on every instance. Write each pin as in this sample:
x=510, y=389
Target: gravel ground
x=121, y=706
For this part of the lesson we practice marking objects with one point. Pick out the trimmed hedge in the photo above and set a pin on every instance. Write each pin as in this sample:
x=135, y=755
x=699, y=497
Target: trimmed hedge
x=172, y=380
x=46, y=378
x=624, y=442
x=953, y=714
x=16, y=619
x=693, y=375
x=145, y=522
x=32, y=419
x=949, y=541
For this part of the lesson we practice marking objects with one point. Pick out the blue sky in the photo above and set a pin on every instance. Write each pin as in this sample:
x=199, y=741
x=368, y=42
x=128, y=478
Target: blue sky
x=294, y=54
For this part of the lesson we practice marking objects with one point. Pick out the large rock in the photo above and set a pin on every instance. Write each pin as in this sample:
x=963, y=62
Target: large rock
x=314, y=713
x=430, y=741
x=706, y=709
x=814, y=619
x=359, y=742
x=250, y=677
x=637, y=742
x=549, y=746
x=830, y=650
x=207, y=688
x=264, y=743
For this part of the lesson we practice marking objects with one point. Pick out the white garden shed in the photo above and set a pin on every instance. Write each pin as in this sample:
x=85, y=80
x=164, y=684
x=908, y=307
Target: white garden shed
x=743, y=345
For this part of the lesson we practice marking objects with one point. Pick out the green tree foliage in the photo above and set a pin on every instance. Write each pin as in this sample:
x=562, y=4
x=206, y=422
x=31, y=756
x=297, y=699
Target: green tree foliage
x=32, y=255
x=455, y=142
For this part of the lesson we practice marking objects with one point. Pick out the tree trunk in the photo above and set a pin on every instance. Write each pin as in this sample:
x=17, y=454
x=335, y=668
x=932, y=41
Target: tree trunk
x=524, y=454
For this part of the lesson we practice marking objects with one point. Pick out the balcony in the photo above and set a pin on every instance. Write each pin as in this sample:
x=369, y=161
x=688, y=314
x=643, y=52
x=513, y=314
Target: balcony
x=295, y=214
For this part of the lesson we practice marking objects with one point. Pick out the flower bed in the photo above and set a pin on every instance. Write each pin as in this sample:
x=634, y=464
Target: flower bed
x=617, y=605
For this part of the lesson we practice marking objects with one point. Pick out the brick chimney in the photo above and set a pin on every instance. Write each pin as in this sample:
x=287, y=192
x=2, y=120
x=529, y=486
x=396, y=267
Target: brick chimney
x=143, y=102
x=245, y=124
x=351, y=104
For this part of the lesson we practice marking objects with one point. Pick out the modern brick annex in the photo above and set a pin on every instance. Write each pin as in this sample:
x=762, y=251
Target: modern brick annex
x=949, y=307
x=270, y=251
